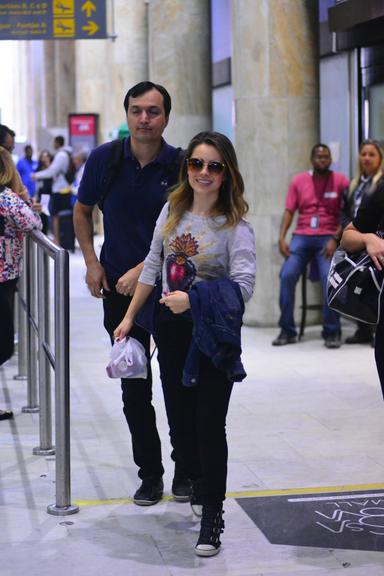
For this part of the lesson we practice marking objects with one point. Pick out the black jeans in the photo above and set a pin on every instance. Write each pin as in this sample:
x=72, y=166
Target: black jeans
x=7, y=327
x=379, y=351
x=196, y=416
x=137, y=393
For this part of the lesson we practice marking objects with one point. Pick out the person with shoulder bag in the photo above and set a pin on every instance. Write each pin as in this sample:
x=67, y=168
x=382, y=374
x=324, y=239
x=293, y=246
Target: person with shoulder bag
x=361, y=234
x=370, y=171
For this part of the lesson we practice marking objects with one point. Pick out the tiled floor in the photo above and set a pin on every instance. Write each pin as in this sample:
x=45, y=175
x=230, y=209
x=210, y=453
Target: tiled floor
x=306, y=417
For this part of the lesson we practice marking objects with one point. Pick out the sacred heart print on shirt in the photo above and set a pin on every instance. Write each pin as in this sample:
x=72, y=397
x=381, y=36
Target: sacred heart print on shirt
x=181, y=271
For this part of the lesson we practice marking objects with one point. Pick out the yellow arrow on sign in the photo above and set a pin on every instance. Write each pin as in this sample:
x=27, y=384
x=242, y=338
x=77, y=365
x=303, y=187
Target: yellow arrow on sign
x=91, y=28
x=88, y=7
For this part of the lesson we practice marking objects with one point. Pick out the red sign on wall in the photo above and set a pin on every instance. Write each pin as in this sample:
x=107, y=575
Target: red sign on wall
x=83, y=131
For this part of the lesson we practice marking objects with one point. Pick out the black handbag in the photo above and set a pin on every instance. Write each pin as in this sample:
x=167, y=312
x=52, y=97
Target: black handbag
x=355, y=286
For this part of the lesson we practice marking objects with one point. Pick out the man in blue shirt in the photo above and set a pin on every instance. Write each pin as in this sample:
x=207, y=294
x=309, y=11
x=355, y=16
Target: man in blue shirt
x=133, y=201
x=26, y=166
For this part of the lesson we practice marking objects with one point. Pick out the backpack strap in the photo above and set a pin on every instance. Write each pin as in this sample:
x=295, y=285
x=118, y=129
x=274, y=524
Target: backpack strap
x=114, y=161
x=173, y=168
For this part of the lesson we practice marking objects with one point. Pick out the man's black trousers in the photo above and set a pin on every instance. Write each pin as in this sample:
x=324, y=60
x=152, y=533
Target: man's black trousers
x=137, y=393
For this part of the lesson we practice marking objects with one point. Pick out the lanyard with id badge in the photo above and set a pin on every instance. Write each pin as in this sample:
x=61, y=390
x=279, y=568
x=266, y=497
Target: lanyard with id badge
x=319, y=193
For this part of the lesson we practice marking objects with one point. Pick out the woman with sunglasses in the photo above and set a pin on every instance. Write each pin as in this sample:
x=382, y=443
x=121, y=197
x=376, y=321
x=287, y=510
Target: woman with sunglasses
x=16, y=218
x=370, y=172
x=206, y=253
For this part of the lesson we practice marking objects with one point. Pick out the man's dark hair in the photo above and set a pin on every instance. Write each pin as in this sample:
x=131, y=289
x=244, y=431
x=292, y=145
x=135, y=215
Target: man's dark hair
x=142, y=88
x=317, y=146
x=4, y=130
x=60, y=140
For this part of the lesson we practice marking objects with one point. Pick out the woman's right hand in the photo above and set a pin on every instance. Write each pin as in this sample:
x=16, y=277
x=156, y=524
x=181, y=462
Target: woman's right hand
x=123, y=329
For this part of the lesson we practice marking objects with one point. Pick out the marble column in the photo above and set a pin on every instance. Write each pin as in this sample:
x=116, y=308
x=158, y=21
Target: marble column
x=275, y=85
x=51, y=89
x=65, y=78
x=35, y=96
x=179, y=58
x=106, y=69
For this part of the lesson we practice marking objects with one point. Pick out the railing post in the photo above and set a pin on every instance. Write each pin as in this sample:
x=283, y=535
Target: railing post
x=63, y=505
x=45, y=420
x=30, y=268
x=21, y=329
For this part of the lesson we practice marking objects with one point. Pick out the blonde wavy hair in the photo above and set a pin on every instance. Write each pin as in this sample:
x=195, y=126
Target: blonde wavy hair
x=355, y=181
x=9, y=176
x=231, y=202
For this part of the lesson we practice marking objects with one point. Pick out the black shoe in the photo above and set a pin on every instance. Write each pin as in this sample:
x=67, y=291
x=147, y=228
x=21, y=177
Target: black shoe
x=284, y=338
x=150, y=492
x=6, y=414
x=212, y=525
x=332, y=340
x=181, y=489
x=360, y=337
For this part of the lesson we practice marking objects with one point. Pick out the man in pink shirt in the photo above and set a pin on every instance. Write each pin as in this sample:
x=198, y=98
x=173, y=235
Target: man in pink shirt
x=317, y=197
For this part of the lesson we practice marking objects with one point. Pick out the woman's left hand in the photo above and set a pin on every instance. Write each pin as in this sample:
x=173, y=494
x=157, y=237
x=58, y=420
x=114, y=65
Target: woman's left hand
x=177, y=302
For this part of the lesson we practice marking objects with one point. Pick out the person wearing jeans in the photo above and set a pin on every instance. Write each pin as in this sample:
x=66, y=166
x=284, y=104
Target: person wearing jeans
x=209, y=400
x=304, y=249
x=205, y=251
x=317, y=197
x=132, y=196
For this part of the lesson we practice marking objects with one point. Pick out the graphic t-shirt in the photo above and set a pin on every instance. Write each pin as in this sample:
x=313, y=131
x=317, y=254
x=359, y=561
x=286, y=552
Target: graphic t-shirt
x=198, y=249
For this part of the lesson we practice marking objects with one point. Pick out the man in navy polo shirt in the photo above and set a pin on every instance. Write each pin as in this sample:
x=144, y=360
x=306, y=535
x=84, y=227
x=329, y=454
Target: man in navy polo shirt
x=131, y=206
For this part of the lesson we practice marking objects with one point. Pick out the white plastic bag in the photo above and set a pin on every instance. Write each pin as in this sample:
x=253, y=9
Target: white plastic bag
x=127, y=360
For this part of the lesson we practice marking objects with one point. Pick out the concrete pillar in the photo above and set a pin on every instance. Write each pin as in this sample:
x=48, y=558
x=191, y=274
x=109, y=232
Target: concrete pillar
x=275, y=85
x=106, y=69
x=51, y=89
x=35, y=96
x=49, y=82
x=179, y=58
x=65, y=79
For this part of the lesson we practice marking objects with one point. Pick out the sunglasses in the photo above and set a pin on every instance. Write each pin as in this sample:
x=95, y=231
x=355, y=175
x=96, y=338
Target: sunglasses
x=197, y=165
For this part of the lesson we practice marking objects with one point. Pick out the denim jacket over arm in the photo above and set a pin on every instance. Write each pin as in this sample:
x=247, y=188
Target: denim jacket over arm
x=217, y=309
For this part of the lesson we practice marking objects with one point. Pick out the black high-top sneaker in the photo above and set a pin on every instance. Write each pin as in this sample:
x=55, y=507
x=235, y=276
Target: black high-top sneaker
x=212, y=525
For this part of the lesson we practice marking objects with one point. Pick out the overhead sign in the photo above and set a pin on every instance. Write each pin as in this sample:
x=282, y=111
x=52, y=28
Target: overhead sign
x=52, y=20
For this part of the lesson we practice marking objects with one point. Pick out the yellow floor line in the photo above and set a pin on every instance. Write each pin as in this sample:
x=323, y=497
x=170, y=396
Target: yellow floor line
x=252, y=493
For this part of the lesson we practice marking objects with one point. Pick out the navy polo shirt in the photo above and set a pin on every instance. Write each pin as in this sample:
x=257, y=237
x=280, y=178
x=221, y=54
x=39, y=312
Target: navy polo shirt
x=132, y=205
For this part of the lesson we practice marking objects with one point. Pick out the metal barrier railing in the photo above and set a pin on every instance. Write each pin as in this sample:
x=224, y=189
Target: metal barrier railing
x=37, y=355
